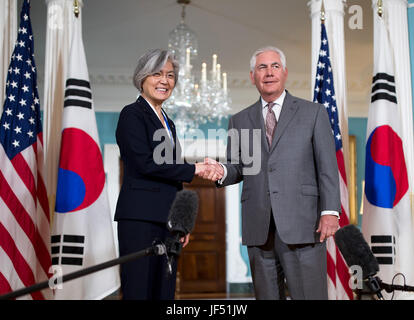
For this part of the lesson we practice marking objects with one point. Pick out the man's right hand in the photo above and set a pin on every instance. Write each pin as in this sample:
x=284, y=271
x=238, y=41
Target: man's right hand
x=210, y=170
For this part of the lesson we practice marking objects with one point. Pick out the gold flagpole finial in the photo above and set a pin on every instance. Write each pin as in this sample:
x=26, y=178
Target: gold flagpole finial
x=379, y=4
x=322, y=13
x=76, y=8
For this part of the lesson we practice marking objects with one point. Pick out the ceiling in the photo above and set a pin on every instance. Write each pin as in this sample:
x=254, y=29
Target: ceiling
x=116, y=33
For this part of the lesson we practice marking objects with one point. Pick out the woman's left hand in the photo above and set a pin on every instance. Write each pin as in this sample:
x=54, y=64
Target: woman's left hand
x=185, y=240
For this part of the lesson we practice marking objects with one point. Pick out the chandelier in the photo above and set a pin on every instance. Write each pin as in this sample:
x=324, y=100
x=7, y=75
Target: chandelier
x=195, y=101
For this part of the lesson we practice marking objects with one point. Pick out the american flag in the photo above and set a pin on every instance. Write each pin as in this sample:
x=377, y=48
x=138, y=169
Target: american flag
x=24, y=208
x=338, y=274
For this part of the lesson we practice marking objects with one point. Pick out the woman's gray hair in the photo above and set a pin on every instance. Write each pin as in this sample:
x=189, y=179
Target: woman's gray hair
x=268, y=48
x=151, y=62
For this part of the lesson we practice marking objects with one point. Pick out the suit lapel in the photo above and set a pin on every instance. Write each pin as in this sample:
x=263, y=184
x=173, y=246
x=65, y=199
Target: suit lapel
x=152, y=117
x=172, y=127
x=289, y=109
x=256, y=116
x=149, y=113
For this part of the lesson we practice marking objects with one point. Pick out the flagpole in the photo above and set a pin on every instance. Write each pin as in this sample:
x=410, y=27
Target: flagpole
x=323, y=12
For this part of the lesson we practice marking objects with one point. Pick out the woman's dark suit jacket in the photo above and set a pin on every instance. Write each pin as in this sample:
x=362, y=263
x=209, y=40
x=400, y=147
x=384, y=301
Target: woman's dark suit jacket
x=148, y=189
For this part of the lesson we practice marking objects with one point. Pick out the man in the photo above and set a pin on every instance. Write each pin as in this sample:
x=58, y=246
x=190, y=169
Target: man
x=291, y=206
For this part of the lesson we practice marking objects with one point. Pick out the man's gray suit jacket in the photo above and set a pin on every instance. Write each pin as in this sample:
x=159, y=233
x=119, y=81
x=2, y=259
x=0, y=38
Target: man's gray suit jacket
x=295, y=179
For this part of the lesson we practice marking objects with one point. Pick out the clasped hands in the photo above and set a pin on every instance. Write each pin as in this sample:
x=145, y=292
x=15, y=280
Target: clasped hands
x=209, y=169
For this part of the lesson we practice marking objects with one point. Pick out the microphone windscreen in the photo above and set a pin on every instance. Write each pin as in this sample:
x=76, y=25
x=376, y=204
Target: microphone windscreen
x=355, y=250
x=183, y=212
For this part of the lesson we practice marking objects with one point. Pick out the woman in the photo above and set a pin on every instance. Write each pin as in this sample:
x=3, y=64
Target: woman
x=149, y=186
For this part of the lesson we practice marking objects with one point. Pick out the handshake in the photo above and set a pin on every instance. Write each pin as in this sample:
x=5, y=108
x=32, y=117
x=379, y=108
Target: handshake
x=209, y=170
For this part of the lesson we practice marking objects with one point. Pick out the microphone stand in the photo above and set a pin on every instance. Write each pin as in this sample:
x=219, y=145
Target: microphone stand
x=391, y=287
x=375, y=285
x=173, y=247
x=156, y=249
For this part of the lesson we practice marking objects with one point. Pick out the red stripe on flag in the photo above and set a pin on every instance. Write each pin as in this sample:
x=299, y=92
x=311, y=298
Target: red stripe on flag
x=341, y=164
x=343, y=274
x=343, y=218
x=25, y=173
x=26, y=223
x=4, y=285
x=42, y=196
x=40, y=137
x=331, y=268
x=340, y=268
x=20, y=265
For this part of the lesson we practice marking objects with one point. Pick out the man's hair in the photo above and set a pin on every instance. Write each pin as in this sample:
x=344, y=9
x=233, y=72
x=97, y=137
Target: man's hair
x=151, y=62
x=264, y=49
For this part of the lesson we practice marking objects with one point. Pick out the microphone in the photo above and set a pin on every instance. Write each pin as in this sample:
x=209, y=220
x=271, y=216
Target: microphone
x=181, y=221
x=356, y=251
x=183, y=212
